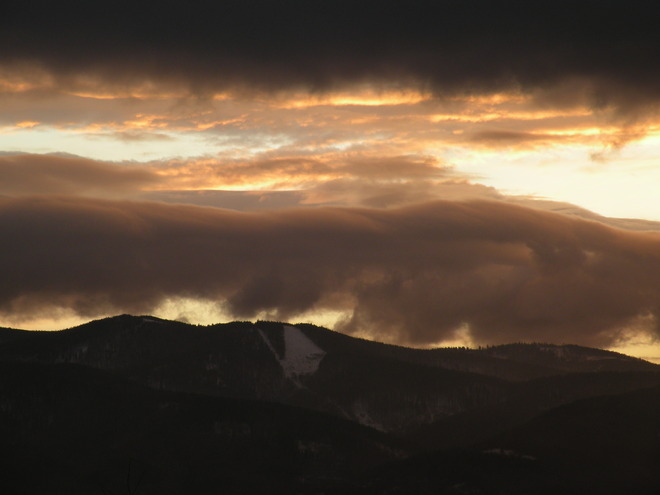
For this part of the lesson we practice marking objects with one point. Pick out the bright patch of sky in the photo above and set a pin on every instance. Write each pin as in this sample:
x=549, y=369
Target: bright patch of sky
x=623, y=183
x=106, y=146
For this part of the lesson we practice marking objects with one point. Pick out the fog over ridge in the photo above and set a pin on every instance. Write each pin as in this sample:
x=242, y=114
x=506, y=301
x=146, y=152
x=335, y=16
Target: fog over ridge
x=410, y=275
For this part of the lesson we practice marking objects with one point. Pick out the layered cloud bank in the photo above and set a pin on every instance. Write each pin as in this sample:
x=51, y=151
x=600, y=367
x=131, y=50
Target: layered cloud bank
x=413, y=275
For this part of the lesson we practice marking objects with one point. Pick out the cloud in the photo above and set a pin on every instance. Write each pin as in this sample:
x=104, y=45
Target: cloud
x=269, y=182
x=596, y=53
x=392, y=122
x=138, y=136
x=510, y=138
x=334, y=192
x=56, y=174
x=233, y=200
x=410, y=275
x=301, y=170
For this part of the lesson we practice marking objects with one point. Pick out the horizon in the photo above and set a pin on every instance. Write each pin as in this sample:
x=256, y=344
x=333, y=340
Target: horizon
x=459, y=344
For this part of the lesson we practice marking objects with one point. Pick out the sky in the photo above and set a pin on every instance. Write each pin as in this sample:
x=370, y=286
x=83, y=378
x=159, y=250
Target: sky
x=421, y=173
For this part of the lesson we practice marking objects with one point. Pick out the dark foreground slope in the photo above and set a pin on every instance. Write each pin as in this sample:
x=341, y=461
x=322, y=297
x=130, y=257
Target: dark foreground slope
x=74, y=430
x=606, y=445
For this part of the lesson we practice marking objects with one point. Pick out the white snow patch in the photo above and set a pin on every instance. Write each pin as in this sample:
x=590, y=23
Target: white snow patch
x=301, y=355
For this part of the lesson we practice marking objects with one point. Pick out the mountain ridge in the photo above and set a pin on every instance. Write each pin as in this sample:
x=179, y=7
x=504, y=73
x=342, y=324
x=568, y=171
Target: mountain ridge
x=447, y=411
x=391, y=388
x=507, y=350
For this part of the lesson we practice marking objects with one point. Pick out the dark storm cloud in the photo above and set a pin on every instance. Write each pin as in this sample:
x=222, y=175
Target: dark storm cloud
x=565, y=52
x=409, y=275
x=53, y=174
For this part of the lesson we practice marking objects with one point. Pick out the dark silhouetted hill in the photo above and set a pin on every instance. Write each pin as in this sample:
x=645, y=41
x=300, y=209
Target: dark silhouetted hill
x=72, y=429
x=607, y=445
x=269, y=407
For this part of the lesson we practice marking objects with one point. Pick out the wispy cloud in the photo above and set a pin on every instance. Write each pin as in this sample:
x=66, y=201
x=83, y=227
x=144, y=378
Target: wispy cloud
x=27, y=174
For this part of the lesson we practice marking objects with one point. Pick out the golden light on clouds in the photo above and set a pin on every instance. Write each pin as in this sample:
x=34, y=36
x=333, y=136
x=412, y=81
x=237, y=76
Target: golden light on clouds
x=135, y=93
x=27, y=124
x=360, y=97
x=207, y=136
